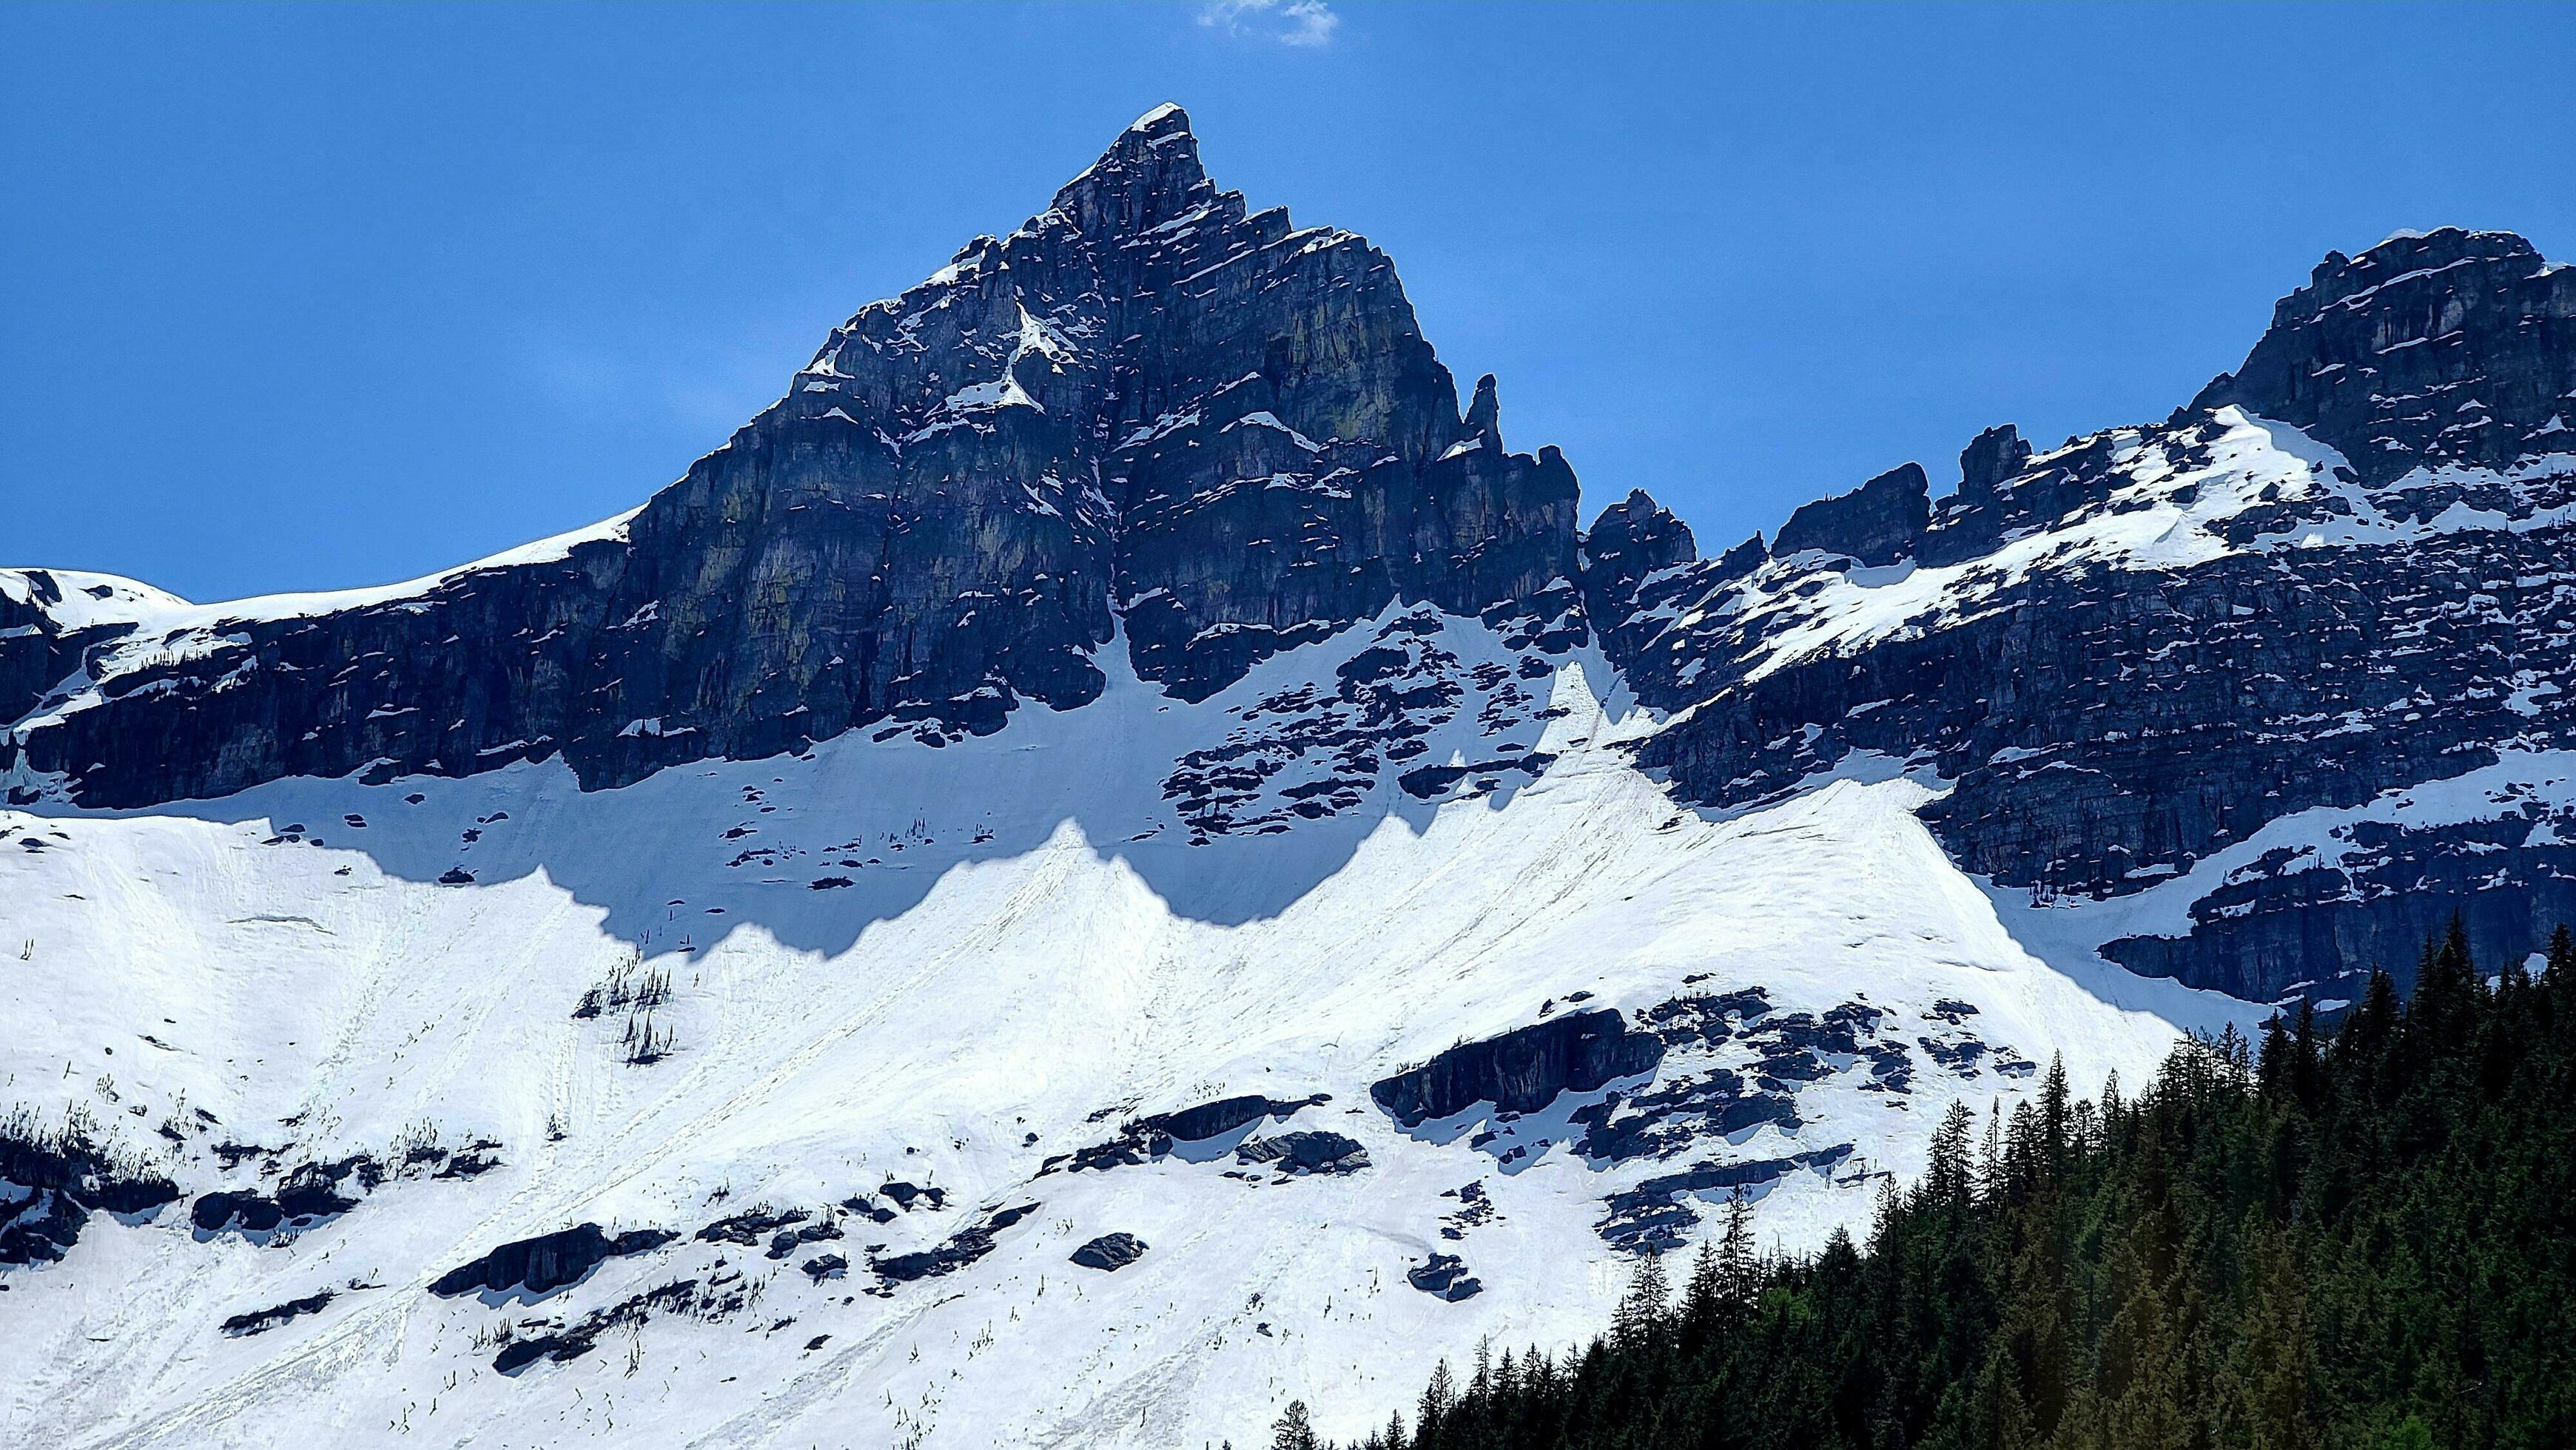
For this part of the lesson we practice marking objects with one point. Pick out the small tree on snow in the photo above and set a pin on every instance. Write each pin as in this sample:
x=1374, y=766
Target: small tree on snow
x=1641, y=1312
x=1293, y=1431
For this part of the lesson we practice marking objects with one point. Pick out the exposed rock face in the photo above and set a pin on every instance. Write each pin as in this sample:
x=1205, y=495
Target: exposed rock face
x=1656, y=1214
x=260, y=1321
x=1145, y=400
x=1110, y=1252
x=1878, y=523
x=571, y=1342
x=2452, y=347
x=2271, y=928
x=38, y=645
x=1446, y=1276
x=1974, y=517
x=1210, y=1120
x=547, y=1262
x=1520, y=1071
x=48, y=1189
x=2149, y=646
x=1298, y=1154
x=256, y=1213
x=1632, y=540
x=1153, y=1135
x=961, y=1248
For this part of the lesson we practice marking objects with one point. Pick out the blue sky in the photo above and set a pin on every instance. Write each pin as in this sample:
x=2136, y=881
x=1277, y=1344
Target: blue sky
x=322, y=296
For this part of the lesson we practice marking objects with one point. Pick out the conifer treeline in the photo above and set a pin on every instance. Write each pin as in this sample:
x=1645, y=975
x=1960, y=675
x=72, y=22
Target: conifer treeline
x=2361, y=1240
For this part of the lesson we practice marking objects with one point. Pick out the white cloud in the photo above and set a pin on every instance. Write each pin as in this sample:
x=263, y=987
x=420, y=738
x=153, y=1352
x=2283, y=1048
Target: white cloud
x=1298, y=22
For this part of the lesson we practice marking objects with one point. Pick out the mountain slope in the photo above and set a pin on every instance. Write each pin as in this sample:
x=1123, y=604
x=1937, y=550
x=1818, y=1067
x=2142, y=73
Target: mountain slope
x=1116, y=751
x=1006, y=1002
x=2151, y=647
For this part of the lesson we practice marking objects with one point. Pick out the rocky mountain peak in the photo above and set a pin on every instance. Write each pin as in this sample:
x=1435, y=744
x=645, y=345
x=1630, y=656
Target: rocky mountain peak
x=1877, y=523
x=2338, y=277
x=1150, y=175
x=1154, y=420
x=1146, y=407
x=2448, y=346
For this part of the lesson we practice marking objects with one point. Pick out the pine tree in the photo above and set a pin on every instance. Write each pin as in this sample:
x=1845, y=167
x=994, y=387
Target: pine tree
x=1700, y=1298
x=1948, y=1182
x=2268, y=1387
x=2304, y=1050
x=2141, y=1359
x=1436, y=1399
x=1738, y=1272
x=1641, y=1313
x=1293, y=1432
x=2006, y=1420
x=1990, y=1159
x=2054, y=1100
x=2274, y=1078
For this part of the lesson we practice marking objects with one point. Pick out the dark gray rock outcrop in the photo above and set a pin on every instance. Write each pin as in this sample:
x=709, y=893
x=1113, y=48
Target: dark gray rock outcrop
x=1212, y=1120
x=962, y=1248
x=1878, y=523
x=1155, y=1134
x=42, y=642
x=1656, y=1215
x=260, y=1321
x=547, y=1262
x=1444, y=1276
x=1520, y=1071
x=1631, y=540
x=50, y=1184
x=1110, y=1252
x=1299, y=1154
x=2448, y=346
x=308, y=1194
x=572, y=1341
x=1972, y=520
x=751, y=1227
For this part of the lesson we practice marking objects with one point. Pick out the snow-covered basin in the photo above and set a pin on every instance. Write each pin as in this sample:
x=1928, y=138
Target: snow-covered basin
x=1008, y=973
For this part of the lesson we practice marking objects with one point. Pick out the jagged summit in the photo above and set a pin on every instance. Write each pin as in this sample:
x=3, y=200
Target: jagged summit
x=2448, y=346
x=2402, y=251
x=1148, y=410
x=2182, y=660
x=1148, y=176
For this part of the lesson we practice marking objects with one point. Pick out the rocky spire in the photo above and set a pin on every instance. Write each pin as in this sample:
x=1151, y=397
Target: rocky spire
x=1992, y=457
x=1148, y=176
x=1484, y=415
x=1630, y=540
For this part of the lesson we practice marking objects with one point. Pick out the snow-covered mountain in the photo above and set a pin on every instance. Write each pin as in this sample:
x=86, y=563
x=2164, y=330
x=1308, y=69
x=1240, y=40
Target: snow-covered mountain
x=1115, y=858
